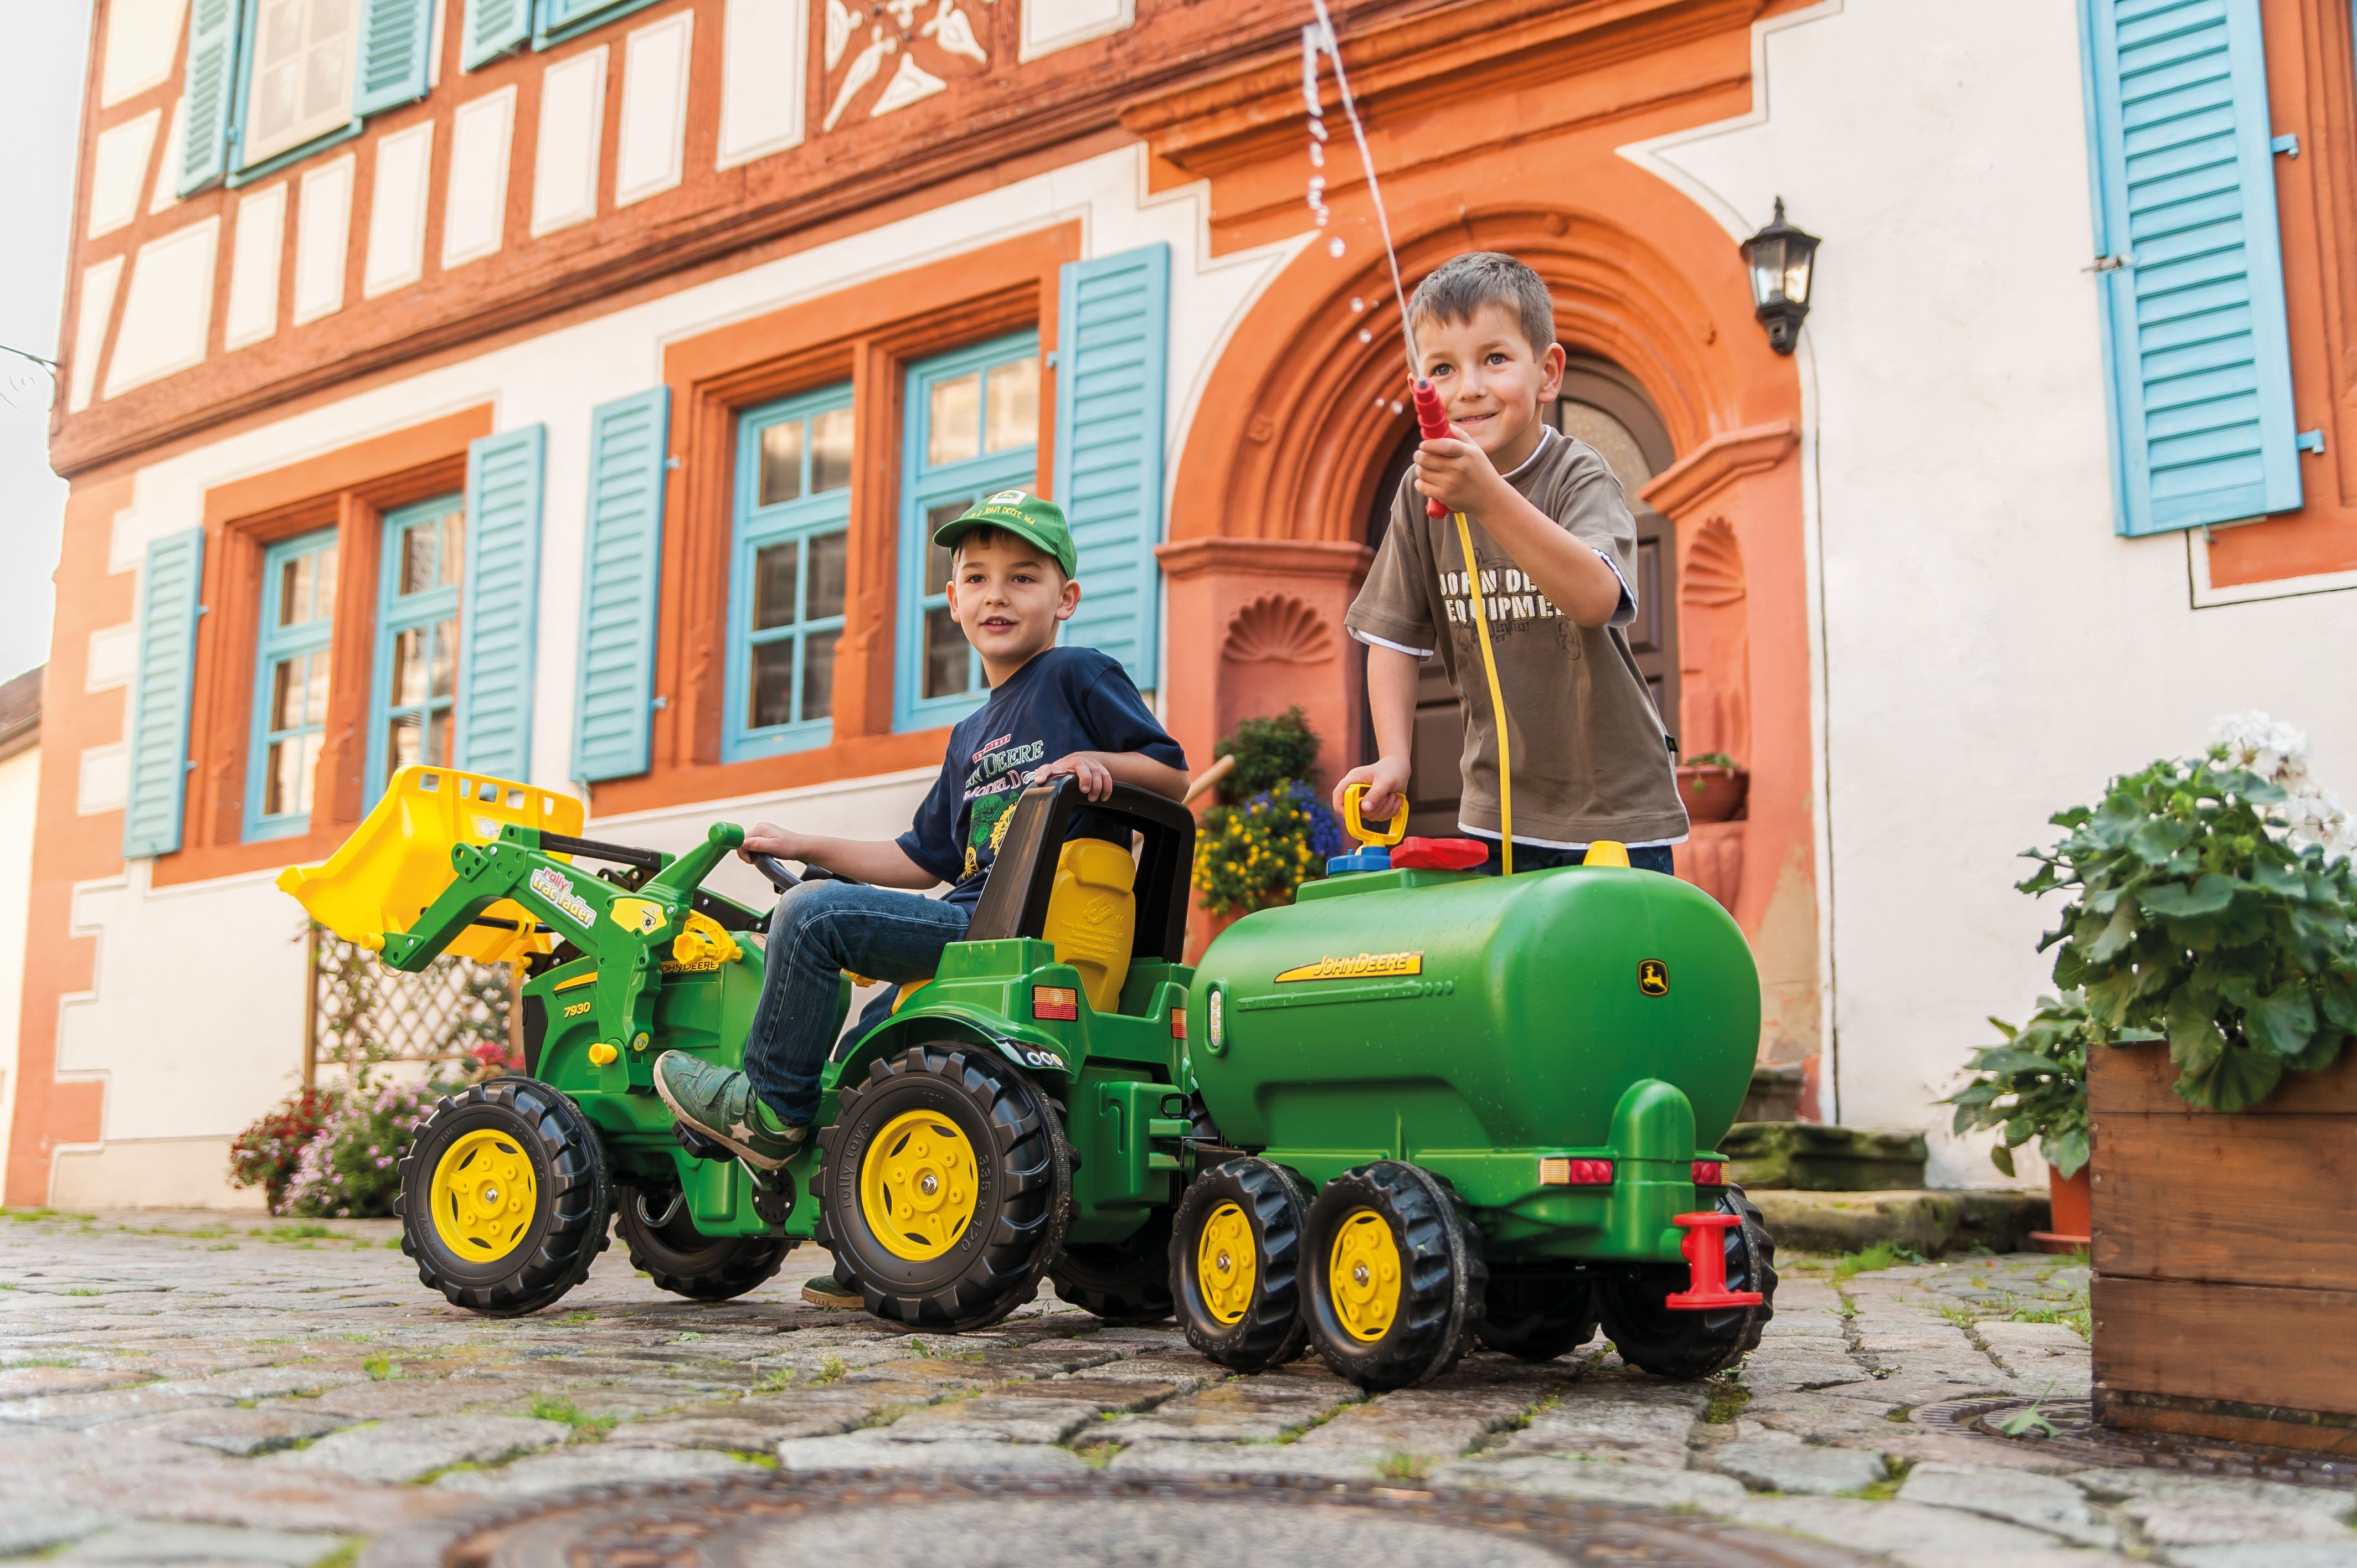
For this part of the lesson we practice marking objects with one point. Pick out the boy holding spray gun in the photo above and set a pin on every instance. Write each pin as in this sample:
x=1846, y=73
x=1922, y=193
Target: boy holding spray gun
x=1586, y=759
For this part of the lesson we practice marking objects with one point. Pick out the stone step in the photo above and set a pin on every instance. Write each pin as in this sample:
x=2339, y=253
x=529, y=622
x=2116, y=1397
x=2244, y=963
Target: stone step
x=1930, y=1222
x=1814, y=1157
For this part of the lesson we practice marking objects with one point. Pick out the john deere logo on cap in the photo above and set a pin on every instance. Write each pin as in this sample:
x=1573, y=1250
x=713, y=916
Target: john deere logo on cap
x=1653, y=977
x=1007, y=497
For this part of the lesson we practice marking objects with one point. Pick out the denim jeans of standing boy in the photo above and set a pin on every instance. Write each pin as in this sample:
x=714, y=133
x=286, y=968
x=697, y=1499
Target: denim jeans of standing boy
x=820, y=930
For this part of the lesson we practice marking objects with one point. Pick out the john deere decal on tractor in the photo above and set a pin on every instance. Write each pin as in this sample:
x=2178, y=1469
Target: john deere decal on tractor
x=1418, y=1109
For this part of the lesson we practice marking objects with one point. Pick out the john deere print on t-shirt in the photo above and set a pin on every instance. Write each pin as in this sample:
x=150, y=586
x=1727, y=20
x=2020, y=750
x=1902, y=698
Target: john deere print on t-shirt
x=1064, y=701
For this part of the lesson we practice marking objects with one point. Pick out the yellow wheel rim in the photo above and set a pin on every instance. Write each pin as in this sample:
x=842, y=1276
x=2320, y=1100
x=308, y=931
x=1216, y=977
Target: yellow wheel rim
x=484, y=1195
x=1225, y=1263
x=918, y=1186
x=1362, y=1271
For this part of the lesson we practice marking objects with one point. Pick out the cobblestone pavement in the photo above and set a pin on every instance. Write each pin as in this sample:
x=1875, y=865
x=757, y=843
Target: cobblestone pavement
x=191, y=1389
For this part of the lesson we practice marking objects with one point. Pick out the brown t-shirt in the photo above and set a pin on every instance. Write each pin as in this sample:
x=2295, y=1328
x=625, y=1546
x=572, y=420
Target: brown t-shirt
x=1590, y=759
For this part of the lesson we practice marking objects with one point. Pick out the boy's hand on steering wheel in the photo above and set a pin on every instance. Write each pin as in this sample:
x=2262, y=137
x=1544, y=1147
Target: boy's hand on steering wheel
x=1386, y=780
x=1095, y=777
x=767, y=838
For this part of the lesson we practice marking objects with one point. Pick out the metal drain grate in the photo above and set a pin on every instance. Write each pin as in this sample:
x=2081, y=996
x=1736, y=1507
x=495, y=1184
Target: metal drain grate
x=1017, y=1521
x=2077, y=1435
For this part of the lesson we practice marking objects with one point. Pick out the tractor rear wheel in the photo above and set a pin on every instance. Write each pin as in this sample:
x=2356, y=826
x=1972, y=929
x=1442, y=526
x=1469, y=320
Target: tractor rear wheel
x=663, y=1241
x=944, y=1188
x=1235, y=1263
x=1396, y=1283
x=503, y=1197
x=1120, y=1282
x=1537, y=1313
x=1672, y=1343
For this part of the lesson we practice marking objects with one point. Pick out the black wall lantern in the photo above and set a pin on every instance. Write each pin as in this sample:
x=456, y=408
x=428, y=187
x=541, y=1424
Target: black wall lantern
x=1781, y=258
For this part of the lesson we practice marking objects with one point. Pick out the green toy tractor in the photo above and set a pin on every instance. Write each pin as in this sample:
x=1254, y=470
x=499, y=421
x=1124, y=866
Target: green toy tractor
x=1419, y=1108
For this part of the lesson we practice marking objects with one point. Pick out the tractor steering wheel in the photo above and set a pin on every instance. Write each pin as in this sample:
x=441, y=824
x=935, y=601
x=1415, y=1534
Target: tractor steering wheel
x=785, y=881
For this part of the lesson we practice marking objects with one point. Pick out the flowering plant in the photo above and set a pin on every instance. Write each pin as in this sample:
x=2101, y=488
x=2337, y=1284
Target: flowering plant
x=264, y=1154
x=1255, y=856
x=2035, y=1085
x=351, y=1169
x=2214, y=906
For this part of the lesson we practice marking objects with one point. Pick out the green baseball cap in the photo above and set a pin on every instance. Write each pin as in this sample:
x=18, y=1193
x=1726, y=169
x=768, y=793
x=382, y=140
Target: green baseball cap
x=1041, y=522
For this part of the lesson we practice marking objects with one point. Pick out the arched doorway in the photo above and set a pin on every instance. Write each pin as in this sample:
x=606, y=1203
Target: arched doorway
x=1604, y=406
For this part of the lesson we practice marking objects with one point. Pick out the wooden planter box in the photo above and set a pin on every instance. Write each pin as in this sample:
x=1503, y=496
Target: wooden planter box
x=2225, y=1260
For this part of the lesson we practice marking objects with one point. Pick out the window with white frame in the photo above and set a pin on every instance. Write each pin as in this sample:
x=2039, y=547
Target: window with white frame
x=301, y=82
x=290, y=705
x=270, y=82
x=786, y=572
x=413, y=709
x=973, y=427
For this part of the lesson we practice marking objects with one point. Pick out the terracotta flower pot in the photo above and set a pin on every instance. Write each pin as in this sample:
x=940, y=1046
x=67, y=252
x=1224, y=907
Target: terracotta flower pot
x=2073, y=1221
x=1712, y=794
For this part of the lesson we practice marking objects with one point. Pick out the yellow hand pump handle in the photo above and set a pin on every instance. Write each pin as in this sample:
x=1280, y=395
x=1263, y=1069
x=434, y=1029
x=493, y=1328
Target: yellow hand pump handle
x=1352, y=820
x=1497, y=701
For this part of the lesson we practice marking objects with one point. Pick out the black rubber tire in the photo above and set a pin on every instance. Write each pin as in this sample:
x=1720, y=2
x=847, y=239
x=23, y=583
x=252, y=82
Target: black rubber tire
x=1673, y=1343
x=1275, y=1203
x=567, y=1229
x=1443, y=1284
x=1120, y=1282
x=1018, y=1223
x=682, y=1259
x=1538, y=1313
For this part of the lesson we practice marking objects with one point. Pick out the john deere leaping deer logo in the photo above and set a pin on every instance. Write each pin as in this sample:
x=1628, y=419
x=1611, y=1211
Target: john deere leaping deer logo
x=1653, y=977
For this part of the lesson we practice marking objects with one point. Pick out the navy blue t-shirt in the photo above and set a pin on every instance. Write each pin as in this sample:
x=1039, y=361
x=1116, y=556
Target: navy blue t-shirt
x=1065, y=700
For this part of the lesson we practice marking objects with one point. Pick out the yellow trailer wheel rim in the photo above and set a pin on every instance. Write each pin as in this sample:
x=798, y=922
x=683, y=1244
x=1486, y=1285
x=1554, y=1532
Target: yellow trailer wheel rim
x=484, y=1195
x=1225, y=1263
x=1362, y=1271
x=918, y=1184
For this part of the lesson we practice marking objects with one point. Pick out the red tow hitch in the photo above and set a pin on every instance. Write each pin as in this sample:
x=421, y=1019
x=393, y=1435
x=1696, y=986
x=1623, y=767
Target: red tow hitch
x=1706, y=1256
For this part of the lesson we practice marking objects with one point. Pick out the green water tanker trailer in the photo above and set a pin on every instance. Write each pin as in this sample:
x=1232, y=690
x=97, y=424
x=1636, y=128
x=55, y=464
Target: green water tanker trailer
x=1419, y=1108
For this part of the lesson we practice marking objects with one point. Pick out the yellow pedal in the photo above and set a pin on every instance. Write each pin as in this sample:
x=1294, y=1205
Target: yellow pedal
x=603, y=1053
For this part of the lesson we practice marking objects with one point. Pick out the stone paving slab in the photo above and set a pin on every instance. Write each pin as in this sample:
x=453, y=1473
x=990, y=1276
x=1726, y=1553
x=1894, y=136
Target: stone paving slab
x=144, y=1543
x=309, y=1387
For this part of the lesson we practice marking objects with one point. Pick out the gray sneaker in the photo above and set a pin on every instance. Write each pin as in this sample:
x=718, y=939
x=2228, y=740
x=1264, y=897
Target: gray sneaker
x=719, y=1102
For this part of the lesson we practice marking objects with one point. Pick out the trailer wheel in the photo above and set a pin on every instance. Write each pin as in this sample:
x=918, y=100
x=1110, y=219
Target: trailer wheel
x=504, y=1197
x=1671, y=1343
x=944, y=1188
x=1537, y=1313
x=663, y=1241
x=1396, y=1281
x=1120, y=1282
x=1235, y=1262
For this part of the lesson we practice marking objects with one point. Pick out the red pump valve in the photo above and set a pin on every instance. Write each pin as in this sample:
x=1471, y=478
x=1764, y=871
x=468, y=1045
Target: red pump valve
x=1440, y=855
x=1432, y=425
x=1706, y=1254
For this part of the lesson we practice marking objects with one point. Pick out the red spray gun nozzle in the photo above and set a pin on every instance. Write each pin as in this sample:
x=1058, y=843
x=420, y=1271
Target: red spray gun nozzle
x=1431, y=423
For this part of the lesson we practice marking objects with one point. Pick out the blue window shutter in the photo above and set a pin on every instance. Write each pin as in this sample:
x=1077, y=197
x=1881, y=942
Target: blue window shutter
x=2203, y=427
x=492, y=28
x=394, y=37
x=168, y=586
x=1112, y=321
x=558, y=20
x=623, y=569
x=211, y=88
x=497, y=603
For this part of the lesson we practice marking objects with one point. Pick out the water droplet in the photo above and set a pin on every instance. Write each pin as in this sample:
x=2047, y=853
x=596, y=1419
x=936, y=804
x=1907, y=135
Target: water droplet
x=1398, y=407
x=1365, y=336
x=1334, y=247
x=1322, y=216
x=1357, y=304
x=1379, y=402
x=1317, y=156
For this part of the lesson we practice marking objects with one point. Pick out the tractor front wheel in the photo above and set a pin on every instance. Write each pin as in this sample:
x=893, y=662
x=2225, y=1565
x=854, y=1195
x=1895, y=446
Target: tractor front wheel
x=1120, y=1282
x=504, y=1197
x=1396, y=1283
x=1537, y=1313
x=1669, y=1342
x=1235, y=1263
x=663, y=1241
x=944, y=1189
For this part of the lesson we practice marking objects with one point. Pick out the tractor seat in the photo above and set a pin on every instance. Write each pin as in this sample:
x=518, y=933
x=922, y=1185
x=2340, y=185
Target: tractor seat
x=1092, y=916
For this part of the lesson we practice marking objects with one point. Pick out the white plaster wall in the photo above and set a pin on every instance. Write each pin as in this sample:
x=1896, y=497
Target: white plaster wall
x=196, y=1015
x=1991, y=651
x=19, y=784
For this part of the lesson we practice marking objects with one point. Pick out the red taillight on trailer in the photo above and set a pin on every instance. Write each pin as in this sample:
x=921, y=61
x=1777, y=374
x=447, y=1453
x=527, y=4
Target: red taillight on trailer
x=1555, y=1172
x=1710, y=1172
x=1058, y=1003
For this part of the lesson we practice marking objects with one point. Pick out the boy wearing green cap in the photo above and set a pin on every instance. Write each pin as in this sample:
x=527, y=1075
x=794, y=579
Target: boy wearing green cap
x=1051, y=710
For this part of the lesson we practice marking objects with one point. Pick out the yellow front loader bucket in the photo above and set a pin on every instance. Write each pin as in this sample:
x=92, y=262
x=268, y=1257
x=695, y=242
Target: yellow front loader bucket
x=398, y=861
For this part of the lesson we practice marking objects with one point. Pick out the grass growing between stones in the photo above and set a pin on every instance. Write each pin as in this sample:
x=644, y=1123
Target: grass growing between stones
x=1728, y=1398
x=560, y=1407
x=1873, y=1260
x=1396, y=1465
x=831, y=1370
x=381, y=1368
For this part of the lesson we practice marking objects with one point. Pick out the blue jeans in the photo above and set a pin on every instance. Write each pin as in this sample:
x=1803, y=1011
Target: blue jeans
x=1533, y=857
x=820, y=930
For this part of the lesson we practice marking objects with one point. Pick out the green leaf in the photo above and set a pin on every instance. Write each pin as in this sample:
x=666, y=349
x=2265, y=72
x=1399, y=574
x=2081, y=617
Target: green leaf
x=2067, y=1153
x=2135, y=1036
x=2194, y=1041
x=2236, y=1077
x=2118, y=934
x=2019, y=1131
x=2158, y=838
x=2001, y=1159
x=2283, y=1019
x=2173, y=901
x=2007, y=1059
x=2322, y=1050
x=2286, y=880
x=2338, y=991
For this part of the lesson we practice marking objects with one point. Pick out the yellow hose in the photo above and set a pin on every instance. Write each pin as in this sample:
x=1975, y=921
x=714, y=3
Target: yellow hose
x=1497, y=701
